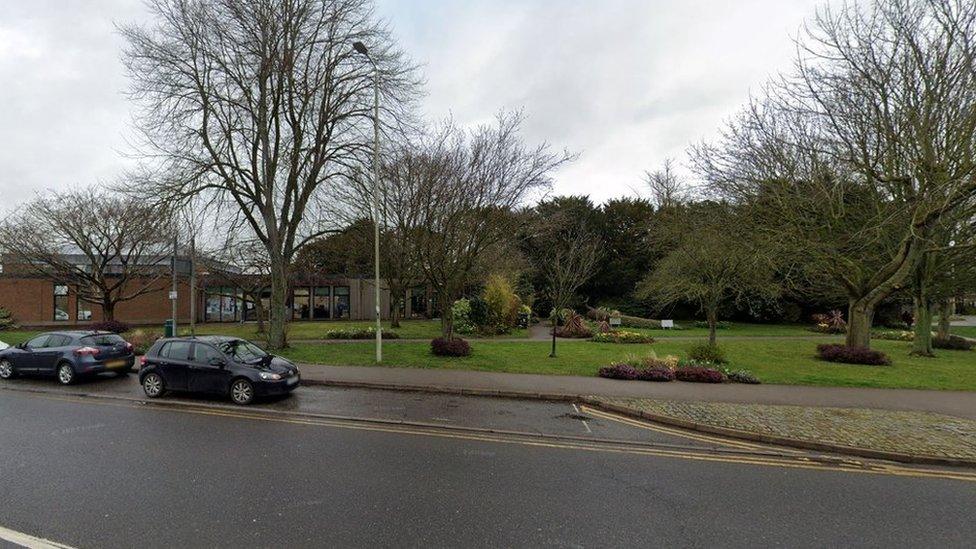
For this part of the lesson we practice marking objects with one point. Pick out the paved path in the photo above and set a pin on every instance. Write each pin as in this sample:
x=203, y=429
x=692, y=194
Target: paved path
x=957, y=403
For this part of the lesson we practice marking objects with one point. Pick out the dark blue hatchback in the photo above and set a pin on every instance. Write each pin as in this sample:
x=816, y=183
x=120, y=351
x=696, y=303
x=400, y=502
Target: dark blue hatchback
x=67, y=355
x=217, y=365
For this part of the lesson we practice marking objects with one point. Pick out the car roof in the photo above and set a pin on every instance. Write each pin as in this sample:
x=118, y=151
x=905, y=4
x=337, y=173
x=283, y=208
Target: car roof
x=205, y=338
x=78, y=333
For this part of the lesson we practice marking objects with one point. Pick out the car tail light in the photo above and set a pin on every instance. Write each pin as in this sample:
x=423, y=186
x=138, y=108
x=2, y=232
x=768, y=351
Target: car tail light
x=86, y=351
x=142, y=361
x=128, y=346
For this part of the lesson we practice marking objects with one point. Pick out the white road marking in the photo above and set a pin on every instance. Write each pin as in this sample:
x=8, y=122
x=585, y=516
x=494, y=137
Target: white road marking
x=588, y=430
x=29, y=541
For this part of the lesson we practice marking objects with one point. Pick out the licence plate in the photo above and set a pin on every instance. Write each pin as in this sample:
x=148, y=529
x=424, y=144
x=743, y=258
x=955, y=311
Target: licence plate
x=115, y=364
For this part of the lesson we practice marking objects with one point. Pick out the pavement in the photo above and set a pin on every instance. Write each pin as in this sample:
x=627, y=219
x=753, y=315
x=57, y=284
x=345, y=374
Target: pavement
x=953, y=403
x=91, y=472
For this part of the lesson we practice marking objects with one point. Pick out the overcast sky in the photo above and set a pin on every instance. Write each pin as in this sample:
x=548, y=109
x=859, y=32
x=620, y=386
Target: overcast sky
x=624, y=83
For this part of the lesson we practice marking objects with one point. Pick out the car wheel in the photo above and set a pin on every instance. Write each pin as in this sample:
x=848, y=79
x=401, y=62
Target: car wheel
x=152, y=385
x=6, y=369
x=66, y=374
x=242, y=392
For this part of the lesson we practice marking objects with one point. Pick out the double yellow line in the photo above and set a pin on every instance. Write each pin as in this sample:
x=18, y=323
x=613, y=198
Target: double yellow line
x=784, y=461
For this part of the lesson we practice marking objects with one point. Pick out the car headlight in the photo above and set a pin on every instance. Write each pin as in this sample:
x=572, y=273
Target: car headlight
x=270, y=377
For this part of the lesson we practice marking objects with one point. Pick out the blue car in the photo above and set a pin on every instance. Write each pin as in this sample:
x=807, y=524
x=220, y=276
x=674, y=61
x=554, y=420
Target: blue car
x=67, y=355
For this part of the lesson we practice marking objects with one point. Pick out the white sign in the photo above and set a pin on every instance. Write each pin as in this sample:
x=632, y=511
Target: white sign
x=615, y=321
x=667, y=324
x=172, y=296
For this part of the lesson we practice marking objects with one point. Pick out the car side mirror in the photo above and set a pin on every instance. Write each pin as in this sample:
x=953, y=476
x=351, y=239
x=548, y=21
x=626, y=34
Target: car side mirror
x=219, y=362
x=22, y=346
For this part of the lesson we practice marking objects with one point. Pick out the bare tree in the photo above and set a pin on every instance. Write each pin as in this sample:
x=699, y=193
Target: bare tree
x=871, y=141
x=711, y=267
x=265, y=105
x=567, y=254
x=667, y=188
x=111, y=248
x=462, y=190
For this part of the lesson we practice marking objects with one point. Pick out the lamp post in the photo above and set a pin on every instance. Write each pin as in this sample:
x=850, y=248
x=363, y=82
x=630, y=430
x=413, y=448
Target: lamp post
x=361, y=48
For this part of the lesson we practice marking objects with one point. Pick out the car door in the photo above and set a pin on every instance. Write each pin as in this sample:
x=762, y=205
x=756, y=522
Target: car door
x=24, y=359
x=46, y=357
x=208, y=372
x=173, y=364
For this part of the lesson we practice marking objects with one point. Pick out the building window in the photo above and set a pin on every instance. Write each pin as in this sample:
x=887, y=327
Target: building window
x=228, y=304
x=61, y=303
x=418, y=302
x=301, y=306
x=84, y=310
x=321, y=303
x=341, y=306
x=212, y=308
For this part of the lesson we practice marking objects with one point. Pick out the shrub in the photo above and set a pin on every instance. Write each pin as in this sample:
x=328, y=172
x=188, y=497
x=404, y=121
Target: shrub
x=450, y=347
x=699, y=374
x=741, y=376
x=461, y=313
x=7, y=320
x=114, y=326
x=622, y=336
x=720, y=325
x=953, y=343
x=832, y=323
x=619, y=370
x=574, y=326
x=362, y=333
x=852, y=355
x=656, y=374
x=142, y=340
x=501, y=304
x=706, y=352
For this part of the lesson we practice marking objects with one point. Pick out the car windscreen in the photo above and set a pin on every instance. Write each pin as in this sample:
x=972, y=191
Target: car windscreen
x=242, y=351
x=102, y=340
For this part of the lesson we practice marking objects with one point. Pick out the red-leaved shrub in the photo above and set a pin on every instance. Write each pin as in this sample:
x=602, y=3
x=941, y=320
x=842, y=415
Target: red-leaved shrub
x=619, y=371
x=450, y=347
x=852, y=355
x=656, y=374
x=114, y=326
x=696, y=374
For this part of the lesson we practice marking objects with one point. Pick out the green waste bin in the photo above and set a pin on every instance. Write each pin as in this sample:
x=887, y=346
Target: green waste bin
x=168, y=328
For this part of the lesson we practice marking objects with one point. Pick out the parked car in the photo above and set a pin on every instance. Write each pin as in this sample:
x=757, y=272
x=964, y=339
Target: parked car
x=67, y=355
x=216, y=365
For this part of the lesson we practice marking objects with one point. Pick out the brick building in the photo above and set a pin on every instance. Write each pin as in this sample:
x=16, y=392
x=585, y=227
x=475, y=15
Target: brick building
x=38, y=301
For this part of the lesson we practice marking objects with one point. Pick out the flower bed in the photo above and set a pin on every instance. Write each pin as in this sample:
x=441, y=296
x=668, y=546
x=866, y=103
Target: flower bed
x=364, y=333
x=622, y=336
x=670, y=369
x=456, y=347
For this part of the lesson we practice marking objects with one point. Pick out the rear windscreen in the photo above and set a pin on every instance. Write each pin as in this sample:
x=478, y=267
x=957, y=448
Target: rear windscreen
x=102, y=340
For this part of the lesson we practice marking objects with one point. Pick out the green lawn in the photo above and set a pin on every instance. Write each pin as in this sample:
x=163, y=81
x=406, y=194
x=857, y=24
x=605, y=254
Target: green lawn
x=774, y=361
x=297, y=331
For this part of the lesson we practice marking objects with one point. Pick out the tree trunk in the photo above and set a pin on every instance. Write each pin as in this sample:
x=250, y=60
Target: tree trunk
x=860, y=317
x=922, y=344
x=712, y=317
x=108, y=309
x=395, y=308
x=945, y=318
x=259, y=311
x=277, y=338
x=555, y=316
x=447, y=317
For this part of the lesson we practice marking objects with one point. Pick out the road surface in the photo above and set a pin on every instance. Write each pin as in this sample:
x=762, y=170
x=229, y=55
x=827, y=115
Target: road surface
x=89, y=472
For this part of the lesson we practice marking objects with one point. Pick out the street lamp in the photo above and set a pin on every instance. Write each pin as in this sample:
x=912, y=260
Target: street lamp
x=361, y=48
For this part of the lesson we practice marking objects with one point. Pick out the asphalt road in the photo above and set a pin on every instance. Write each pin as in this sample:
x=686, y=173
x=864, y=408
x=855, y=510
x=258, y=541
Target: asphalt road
x=111, y=473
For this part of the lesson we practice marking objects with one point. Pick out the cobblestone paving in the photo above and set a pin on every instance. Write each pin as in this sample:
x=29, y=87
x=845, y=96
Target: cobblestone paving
x=916, y=433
